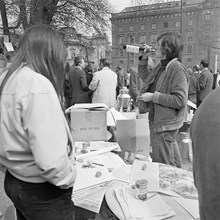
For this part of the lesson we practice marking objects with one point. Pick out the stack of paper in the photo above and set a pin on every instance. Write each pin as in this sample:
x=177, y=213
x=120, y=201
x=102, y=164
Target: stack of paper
x=154, y=208
x=90, y=198
x=89, y=189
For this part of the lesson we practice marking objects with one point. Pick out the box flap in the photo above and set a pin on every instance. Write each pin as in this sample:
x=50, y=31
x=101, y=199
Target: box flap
x=88, y=106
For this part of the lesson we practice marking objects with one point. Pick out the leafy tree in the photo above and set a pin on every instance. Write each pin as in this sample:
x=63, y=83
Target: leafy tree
x=84, y=15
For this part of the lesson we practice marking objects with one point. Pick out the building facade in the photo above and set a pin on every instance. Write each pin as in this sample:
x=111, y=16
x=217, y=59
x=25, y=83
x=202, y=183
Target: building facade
x=198, y=21
x=91, y=48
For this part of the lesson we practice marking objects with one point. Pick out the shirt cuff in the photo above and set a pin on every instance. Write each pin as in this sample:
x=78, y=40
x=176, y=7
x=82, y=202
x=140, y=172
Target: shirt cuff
x=155, y=98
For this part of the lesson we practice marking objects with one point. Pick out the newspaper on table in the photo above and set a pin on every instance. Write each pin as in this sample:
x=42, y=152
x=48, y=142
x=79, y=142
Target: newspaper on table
x=89, y=190
x=91, y=198
x=95, y=148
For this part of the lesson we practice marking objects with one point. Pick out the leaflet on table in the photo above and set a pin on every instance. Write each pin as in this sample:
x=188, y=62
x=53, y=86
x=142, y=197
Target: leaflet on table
x=91, y=198
x=146, y=170
x=190, y=205
x=88, y=177
x=153, y=208
x=95, y=148
x=109, y=160
x=123, y=173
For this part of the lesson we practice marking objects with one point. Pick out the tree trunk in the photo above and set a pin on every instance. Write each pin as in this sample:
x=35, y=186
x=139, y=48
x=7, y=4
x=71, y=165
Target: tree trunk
x=42, y=11
x=23, y=14
x=4, y=18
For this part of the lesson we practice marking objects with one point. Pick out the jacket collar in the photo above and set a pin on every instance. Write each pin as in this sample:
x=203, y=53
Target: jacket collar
x=164, y=73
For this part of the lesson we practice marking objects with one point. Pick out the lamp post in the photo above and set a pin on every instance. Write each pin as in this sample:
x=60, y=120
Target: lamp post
x=181, y=24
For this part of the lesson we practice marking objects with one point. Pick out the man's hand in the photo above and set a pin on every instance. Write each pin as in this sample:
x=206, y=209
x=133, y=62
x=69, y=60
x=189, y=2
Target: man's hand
x=146, y=97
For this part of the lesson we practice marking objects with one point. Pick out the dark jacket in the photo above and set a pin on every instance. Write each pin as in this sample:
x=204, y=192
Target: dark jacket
x=77, y=78
x=135, y=86
x=193, y=89
x=205, y=84
x=170, y=96
x=205, y=130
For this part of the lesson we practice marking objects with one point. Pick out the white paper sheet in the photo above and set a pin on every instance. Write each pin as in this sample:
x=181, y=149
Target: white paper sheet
x=190, y=205
x=86, y=177
x=151, y=173
x=110, y=160
x=123, y=173
x=95, y=148
x=91, y=198
x=168, y=192
x=9, y=46
x=152, y=209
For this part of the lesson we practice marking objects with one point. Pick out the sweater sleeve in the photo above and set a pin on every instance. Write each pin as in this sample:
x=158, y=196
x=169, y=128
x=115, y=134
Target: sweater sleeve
x=45, y=126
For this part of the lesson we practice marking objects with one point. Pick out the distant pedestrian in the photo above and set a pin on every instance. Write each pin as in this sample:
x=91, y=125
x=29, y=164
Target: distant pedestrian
x=136, y=85
x=89, y=76
x=120, y=79
x=78, y=82
x=216, y=79
x=89, y=73
x=205, y=81
x=196, y=71
x=104, y=84
x=67, y=86
x=193, y=87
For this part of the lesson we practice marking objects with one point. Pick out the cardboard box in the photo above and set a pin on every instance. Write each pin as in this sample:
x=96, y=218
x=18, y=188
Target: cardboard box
x=88, y=122
x=133, y=136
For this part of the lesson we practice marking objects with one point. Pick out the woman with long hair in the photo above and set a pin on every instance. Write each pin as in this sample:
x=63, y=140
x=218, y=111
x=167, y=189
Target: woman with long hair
x=36, y=143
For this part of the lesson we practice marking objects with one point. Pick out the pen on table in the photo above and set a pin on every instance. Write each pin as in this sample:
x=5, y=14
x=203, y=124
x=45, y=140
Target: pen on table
x=99, y=164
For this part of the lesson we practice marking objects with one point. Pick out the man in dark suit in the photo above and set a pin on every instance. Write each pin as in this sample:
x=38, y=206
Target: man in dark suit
x=78, y=82
x=205, y=81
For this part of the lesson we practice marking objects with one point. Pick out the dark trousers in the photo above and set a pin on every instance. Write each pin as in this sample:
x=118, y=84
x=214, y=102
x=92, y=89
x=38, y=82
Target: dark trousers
x=165, y=148
x=39, y=201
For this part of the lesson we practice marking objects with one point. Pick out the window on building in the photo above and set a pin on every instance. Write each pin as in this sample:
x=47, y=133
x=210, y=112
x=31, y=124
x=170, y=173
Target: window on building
x=190, y=22
x=153, y=26
x=142, y=39
x=121, y=40
x=165, y=24
x=131, y=39
x=206, y=33
x=189, y=49
x=131, y=28
x=120, y=29
x=142, y=27
x=121, y=52
x=189, y=60
x=177, y=24
x=207, y=16
x=189, y=35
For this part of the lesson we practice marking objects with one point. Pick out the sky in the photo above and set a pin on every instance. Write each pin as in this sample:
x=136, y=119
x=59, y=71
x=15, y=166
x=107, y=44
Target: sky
x=120, y=4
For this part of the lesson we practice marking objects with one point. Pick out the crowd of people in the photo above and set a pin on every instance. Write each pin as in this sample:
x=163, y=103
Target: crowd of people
x=37, y=150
